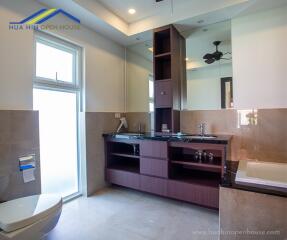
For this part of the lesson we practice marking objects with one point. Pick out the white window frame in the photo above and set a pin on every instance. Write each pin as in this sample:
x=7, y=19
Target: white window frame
x=150, y=99
x=66, y=46
x=73, y=87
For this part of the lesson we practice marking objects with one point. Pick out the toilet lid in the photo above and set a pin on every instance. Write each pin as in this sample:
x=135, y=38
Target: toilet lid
x=25, y=211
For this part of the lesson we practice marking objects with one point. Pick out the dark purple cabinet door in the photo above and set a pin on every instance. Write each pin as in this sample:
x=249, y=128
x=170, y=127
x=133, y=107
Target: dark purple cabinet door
x=153, y=185
x=163, y=94
x=122, y=178
x=203, y=195
x=154, y=167
x=153, y=149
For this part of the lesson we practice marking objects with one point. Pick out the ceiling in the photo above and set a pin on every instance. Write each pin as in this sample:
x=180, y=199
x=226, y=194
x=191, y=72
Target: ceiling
x=144, y=8
x=203, y=39
x=111, y=18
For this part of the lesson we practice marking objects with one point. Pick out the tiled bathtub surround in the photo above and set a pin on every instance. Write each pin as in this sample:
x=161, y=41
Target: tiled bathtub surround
x=258, y=134
x=262, y=135
x=19, y=136
x=97, y=123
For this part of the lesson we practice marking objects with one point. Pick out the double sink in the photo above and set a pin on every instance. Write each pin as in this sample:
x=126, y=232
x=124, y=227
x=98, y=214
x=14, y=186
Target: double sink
x=164, y=136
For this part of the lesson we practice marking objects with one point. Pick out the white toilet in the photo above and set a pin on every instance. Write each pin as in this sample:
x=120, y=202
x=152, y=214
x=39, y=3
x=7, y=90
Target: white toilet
x=29, y=218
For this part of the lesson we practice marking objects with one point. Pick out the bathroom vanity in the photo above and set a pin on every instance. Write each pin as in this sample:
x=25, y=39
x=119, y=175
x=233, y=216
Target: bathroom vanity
x=185, y=167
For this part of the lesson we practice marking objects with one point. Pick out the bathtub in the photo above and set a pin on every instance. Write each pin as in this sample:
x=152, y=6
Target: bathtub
x=265, y=175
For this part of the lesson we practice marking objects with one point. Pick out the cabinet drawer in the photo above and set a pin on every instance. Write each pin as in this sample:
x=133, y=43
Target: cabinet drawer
x=202, y=195
x=153, y=149
x=154, y=167
x=163, y=94
x=122, y=178
x=153, y=185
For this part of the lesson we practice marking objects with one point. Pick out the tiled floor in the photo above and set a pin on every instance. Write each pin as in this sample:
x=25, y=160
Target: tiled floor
x=121, y=214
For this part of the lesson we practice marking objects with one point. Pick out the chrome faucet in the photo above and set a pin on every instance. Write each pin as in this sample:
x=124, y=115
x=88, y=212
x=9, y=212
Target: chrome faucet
x=202, y=129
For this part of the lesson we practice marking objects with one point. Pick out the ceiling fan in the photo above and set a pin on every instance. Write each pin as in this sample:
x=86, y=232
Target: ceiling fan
x=216, y=56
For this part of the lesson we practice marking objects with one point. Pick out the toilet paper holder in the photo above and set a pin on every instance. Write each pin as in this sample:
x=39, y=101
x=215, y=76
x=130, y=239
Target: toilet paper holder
x=27, y=162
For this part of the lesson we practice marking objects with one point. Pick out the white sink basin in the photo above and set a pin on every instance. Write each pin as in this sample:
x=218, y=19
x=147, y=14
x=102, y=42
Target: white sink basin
x=127, y=135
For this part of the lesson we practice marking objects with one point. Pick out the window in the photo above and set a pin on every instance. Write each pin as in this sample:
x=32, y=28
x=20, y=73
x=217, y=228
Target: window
x=56, y=61
x=151, y=100
x=56, y=95
x=151, y=93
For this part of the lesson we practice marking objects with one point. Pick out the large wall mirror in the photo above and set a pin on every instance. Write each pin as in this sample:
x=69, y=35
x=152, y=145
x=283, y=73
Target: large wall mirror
x=209, y=81
x=209, y=71
x=139, y=77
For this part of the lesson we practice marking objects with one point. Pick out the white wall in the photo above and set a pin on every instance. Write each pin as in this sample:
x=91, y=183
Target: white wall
x=104, y=62
x=16, y=62
x=204, y=87
x=138, y=71
x=259, y=49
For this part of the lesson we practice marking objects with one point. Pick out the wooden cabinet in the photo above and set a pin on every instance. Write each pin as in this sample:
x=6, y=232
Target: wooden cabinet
x=169, y=77
x=167, y=168
x=154, y=167
x=123, y=178
x=153, y=149
x=153, y=185
x=163, y=94
x=199, y=194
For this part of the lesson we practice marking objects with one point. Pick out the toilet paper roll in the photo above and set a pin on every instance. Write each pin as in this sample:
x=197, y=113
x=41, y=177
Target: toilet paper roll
x=28, y=175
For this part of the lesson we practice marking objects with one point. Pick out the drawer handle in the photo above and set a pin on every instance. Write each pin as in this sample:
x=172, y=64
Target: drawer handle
x=163, y=93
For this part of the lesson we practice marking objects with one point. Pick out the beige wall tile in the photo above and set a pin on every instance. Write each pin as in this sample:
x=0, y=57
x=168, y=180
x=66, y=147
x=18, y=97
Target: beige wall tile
x=242, y=210
x=19, y=136
x=266, y=141
x=97, y=123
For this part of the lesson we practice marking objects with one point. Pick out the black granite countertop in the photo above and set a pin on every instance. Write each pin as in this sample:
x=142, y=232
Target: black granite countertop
x=219, y=139
x=229, y=181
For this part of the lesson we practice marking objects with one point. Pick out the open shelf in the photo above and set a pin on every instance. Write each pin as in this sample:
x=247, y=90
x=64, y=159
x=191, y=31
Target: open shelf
x=124, y=163
x=210, y=179
x=163, y=116
x=123, y=156
x=162, y=67
x=187, y=157
x=162, y=41
x=124, y=149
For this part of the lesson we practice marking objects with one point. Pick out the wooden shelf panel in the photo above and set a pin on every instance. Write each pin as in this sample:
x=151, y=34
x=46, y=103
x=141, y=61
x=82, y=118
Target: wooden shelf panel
x=125, y=168
x=203, y=166
x=125, y=155
x=163, y=55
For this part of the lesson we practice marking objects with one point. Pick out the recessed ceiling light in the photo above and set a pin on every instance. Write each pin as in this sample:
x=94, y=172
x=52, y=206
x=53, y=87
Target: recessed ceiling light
x=150, y=49
x=132, y=11
x=186, y=59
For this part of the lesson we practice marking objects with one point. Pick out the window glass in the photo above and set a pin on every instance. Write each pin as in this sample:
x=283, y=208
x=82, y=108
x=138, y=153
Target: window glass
x=54, y=63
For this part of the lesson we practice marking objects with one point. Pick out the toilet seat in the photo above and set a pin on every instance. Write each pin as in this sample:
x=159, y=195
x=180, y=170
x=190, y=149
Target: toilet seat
x=26, y=211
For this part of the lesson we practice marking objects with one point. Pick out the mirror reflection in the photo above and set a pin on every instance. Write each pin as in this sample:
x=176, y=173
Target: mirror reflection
x=139, y=80
x=209, y=67
x=208, y=70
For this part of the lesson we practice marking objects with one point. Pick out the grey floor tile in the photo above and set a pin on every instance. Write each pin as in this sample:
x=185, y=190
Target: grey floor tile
x=122, y=214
